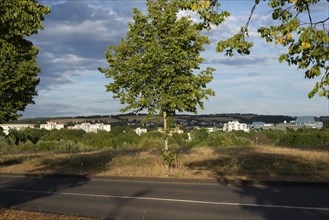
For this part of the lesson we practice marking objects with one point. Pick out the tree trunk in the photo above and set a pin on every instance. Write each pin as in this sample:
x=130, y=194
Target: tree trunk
x=165, y=130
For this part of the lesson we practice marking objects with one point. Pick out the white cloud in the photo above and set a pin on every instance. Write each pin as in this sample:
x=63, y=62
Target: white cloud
x=250, y=60
x=77, y=34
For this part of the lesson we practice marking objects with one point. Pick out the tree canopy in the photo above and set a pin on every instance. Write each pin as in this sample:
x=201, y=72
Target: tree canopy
x=153, y=67
x=305, y=38
x=19, y=70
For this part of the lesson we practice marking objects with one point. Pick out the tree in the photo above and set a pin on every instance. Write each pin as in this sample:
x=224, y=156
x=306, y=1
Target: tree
x=307, y=40
x=19, y=71
x=153, y=67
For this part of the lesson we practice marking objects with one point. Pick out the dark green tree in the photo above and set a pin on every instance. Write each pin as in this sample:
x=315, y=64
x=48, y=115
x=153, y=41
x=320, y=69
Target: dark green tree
x=153, y=68
x=19, y=71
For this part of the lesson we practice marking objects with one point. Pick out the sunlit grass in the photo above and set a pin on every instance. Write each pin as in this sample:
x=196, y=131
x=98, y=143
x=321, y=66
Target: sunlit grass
x=13, y=214
x=236, y=163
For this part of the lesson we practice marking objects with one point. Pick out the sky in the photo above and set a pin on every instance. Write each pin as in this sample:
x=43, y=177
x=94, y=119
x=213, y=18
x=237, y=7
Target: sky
x=78, y=32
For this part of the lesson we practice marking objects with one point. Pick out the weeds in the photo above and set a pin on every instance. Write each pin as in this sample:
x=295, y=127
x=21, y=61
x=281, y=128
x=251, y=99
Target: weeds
x=261, y=162
x=169, y=157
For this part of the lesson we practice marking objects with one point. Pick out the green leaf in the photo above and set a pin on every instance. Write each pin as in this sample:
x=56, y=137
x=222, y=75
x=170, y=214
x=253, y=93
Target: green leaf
x=19, y=71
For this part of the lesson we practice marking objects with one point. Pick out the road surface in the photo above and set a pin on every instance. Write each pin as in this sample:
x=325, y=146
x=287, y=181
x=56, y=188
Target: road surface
x=118, y=198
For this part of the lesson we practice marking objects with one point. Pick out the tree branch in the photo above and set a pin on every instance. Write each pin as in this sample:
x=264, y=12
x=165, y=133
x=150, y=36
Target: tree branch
x=309, y=15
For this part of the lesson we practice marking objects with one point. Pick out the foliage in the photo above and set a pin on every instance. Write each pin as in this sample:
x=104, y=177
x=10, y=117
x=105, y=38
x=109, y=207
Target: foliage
x=78, y=140
x=223, y=139
x=100, y=140
x=19, y=71
x=61, y=145
x=306, y=138
x=178, y=140
x=152, y=139
x=169, y=157
x=64, y=134
x=307, y=41
x=207, y=10
x=199, y=135
x=269, y=137
x=153, y=67
x=301, y=138
x=4, y=142
x=17, y=136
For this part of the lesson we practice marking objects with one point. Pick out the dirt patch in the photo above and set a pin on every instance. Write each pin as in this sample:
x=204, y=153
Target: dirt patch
x=12, y=214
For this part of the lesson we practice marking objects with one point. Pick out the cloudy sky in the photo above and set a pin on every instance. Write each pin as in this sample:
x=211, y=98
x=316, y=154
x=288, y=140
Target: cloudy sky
x=78, y=32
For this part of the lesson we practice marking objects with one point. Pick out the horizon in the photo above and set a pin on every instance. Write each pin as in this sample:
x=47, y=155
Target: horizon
x=182, y=114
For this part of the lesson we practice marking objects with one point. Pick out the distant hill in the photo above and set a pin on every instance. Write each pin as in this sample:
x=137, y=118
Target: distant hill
x=211, y=119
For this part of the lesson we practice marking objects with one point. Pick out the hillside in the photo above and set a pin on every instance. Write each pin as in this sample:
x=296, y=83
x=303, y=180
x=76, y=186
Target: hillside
x=199, y=120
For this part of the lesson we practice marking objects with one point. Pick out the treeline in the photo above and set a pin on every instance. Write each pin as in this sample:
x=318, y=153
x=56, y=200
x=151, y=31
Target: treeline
x=125, y=137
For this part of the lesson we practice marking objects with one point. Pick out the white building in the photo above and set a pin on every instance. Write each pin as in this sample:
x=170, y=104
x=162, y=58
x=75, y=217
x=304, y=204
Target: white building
x=316, y=124
x=236, y=126
x=51, y=125
x=176, y=130
x=140, y=131
x=7, y=127
x=87, y=127
x=210, y=130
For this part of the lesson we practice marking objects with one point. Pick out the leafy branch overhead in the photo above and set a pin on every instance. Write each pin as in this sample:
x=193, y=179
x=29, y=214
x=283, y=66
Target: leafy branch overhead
x=19, y=71
x=306, y=41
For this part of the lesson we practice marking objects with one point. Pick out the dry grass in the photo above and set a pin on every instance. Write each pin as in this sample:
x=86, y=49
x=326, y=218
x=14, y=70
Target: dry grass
x=252, y=163
x=12, y=214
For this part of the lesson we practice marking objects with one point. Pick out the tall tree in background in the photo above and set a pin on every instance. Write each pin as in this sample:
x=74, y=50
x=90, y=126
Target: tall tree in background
x=153, y=67
x=18, y=68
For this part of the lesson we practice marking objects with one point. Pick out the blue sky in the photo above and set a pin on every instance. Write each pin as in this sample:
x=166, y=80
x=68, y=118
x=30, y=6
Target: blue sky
x=78, y=32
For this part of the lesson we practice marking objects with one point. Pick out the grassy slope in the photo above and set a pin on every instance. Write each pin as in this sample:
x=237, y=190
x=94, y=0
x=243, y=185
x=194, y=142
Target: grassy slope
x=252, y=163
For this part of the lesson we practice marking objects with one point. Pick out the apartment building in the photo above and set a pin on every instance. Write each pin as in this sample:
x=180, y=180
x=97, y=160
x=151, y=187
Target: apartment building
x=7, y=127
x=235, y=126
x=51, y=125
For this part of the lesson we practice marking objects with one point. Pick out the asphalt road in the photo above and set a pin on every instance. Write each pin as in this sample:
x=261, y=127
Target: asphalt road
x=117, y=198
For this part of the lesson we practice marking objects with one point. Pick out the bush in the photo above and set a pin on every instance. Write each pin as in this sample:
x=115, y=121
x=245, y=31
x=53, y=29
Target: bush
x=28, y=134
x=241, y=141
x=64, y=134
x=98, y=140
x=178, y=140
x=61, y=145
x=46, y=145
x=146, y=142
x=4, y=143
x=261, y=138
x=227, y=139
x=305, y=137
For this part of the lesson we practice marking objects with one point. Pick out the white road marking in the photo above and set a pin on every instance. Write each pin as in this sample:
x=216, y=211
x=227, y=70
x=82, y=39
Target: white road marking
x=132, y=180
x=171, y=200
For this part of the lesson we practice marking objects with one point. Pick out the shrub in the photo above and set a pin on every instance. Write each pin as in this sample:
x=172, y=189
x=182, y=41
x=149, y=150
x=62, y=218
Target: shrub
x=146, y=142
x=4, y=143
x=99, y=140
x=27, y=146
x=64, y=134
x=178, y=140
x=46, y=145
x=261, y=138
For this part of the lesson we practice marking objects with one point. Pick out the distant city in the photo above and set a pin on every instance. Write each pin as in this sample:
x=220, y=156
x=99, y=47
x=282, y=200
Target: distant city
x=224, y=122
